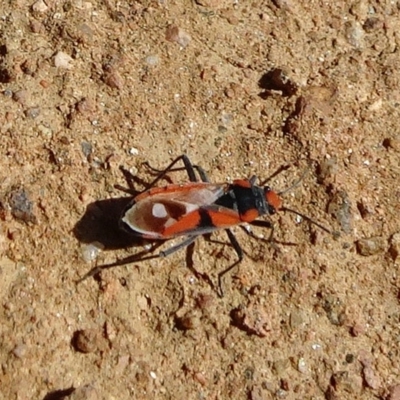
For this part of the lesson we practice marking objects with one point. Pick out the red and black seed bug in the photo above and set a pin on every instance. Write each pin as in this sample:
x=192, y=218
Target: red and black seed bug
x=197, y=208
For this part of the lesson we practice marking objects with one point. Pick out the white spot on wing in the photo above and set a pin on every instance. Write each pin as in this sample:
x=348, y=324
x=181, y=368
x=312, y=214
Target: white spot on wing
x=190, y=207
x=159, y=210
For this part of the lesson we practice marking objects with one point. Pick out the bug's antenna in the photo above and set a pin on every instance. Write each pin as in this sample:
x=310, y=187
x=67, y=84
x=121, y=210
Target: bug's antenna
x=310, y=220
x=277, y=172
x=297, y=183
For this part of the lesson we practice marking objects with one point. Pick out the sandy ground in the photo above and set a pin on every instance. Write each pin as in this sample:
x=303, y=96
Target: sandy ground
x=243, y=88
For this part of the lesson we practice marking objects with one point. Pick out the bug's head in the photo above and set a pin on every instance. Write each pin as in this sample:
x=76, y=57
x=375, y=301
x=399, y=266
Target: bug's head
x=274, y=202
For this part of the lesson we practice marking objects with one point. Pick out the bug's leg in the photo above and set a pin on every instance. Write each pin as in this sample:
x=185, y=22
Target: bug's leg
x=141, y=256
x=263, y=224
x=130, y=180
x=185, y=243
x=277, y=172
x=188, y=166
x=239, y=253
x=202, y=173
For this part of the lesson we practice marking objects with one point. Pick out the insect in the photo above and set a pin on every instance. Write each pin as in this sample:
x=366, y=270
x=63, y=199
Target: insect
x=197, y=208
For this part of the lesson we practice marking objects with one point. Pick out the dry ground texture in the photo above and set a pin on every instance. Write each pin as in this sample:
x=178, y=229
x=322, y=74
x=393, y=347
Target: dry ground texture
x=243, y=87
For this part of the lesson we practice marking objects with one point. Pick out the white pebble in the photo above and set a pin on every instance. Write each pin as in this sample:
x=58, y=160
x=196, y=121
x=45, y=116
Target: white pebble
x=152, y=60
x=40, y=6
x=91, y=251
x=63, y=60
x=302, y=366
x=133, y=151
x=153, y=375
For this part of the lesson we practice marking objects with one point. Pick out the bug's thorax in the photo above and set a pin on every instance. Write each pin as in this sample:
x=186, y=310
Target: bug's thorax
x=252, y=201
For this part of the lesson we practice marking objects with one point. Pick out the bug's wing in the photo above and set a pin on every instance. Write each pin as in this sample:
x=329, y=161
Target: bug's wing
x=205, y=219
x=152, y=216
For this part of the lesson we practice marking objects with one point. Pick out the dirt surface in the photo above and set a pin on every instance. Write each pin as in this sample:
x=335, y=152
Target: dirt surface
x=243, y=88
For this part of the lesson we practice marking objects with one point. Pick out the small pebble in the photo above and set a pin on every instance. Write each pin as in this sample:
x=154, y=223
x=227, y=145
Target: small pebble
x=118, y=16
x=143, y=303
x=63, y=60
x=199, y=377
x=19, y=351
x=153, y=375
x=278, y=79
x=340, y=208
x=45, y=130
x=355, y=34
x=226, y=119
x=123, y=362
x=365, y=209
x=204, y=301
x=88, y=341
x=394, y=393
x=21, y=205
x=394, y=249
x=177, y=35
x=302, y=366
x=281, y=366
x=376, y=105
x=372, y=24
x=152, y=60
x=252, y=319
x=36, y=26
x=327, y=169
x=392, y=142
x=214, y=4
x=85, y=341
x=296, y=319
x=87, y=149
x=44, y=84
x=21, y=96
x=84, y=34
x=113, y=79
x=350, y=358
x=8, y=93
x=284, y=4
x=188, y=321
x=40, y=6
x=28, y=67
x=91, y=251
x=32, y=112
x=370, y=246
x=345, y=382
x=133, y=151
x=370, y=377
x=86, y=392
x=85, y=106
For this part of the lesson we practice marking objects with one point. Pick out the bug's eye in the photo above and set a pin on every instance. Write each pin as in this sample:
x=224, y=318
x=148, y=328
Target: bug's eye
x=271, y=209
x=267, y=189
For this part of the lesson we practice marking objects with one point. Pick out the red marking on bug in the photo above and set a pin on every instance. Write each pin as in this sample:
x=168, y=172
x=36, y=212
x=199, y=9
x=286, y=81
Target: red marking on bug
x=223, y=218
x=273, y=199
x=183, y=225
x=245, y=183
x=250, y=215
